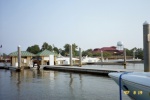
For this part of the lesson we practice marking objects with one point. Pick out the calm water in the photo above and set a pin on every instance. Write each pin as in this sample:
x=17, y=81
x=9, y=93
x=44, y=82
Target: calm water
x=129, y=66
x=53, y=85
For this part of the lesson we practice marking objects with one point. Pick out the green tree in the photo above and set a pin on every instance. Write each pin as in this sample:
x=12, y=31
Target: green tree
x=66, y=49
x=46, y=46
x=74, y=49
x=56, y=50
x=128, y=52
x=63, y=53
x=139, y=53
x=88, y=52
x=34, y=49
x=96, y=54
x=107, y=54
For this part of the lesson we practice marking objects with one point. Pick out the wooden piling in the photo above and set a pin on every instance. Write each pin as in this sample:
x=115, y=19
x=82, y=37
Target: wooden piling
x=19, y=58
x=80, y=57
x=146, y=46
x=70, y=55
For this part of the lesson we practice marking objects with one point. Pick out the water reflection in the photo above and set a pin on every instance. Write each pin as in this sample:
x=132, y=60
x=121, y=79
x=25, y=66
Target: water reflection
x=52, y=85
x=130, y=66
x=124, y=66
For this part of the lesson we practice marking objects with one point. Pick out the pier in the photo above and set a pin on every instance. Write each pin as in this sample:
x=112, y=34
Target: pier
x=99, y=71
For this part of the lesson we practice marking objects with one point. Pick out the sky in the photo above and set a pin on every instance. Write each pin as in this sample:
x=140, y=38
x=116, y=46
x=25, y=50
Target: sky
x=87, y=23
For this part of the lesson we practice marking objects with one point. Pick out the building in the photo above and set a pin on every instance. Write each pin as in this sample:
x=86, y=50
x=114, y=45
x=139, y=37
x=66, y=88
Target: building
x=26, y=58
x=30, y=59
x=44, y=56
x=112, y=50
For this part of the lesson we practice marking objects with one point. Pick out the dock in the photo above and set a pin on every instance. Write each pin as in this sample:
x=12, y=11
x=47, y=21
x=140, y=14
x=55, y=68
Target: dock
x=10, y=68
x=100, y=71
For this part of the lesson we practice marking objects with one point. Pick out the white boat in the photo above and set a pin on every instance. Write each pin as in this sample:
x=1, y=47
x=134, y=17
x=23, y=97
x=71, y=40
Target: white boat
x=90, y=60
x=134, y=84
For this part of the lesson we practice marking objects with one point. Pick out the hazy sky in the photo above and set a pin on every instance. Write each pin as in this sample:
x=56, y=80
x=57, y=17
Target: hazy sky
x=88, y=23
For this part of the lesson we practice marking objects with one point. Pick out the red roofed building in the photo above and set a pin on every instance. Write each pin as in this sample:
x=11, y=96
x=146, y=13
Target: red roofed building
x=111, y=49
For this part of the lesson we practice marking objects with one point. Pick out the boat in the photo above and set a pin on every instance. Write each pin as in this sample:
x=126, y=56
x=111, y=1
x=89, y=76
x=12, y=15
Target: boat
x=90, y=60
x=134, y=84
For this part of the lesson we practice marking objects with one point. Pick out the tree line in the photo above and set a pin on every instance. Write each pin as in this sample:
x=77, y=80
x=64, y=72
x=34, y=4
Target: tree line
x=64, y=52
x=89, y=52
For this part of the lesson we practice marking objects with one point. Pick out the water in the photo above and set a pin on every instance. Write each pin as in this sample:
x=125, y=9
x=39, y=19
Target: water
x=53, y=85
x=129, y=66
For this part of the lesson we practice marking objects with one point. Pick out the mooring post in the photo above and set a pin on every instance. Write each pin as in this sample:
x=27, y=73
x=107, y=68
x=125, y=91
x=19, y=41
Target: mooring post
x=124, y=53
x=70, y=55
x=80, y=57
x=19, y=57
x=146, y=46
x=102, y=60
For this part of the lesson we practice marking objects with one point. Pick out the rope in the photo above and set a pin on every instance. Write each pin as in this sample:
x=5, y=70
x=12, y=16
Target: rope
x=120, y=78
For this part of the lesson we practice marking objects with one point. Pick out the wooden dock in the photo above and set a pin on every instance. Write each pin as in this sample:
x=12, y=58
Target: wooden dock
x=10, y=68
x=100, y=71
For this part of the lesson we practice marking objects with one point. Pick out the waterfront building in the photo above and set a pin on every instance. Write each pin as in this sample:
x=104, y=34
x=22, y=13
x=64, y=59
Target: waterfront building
x=26, y=58
x=44, y=56
x=29, y=59
x=113, y=50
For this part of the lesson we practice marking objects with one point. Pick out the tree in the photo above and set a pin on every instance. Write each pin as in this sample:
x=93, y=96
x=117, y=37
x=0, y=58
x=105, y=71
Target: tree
x=46, y=46
x=34, y=49
x=88, y=52
x=139, y=53
x=96, y=54
x=63, y=53
x=66, y=49
x=56, y=49
x=74, y=49
x=128, y=52
x=107, y=54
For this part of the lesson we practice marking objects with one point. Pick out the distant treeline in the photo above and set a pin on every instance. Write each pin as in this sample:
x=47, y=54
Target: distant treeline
x=89, y=52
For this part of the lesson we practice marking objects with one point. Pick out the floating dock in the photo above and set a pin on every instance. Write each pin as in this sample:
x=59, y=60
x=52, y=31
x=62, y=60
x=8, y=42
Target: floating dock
x=10, y=68
x=100, y=71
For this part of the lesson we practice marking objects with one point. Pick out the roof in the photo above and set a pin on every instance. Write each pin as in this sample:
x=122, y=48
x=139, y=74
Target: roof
x=45, y=53
x=23, y=53
x=108, y=49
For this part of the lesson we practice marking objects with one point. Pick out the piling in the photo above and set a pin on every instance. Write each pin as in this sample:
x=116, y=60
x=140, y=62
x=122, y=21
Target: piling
x=80, y=57
x=124, y=53
x=19, y=58
x=146, y=46
x=102, y=60
x=70, y=50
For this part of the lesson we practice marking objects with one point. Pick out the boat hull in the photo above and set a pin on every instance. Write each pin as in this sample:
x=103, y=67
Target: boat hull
x=135, y=85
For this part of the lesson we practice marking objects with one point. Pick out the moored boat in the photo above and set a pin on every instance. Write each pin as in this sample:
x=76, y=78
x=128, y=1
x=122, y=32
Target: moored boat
x=134, y=84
